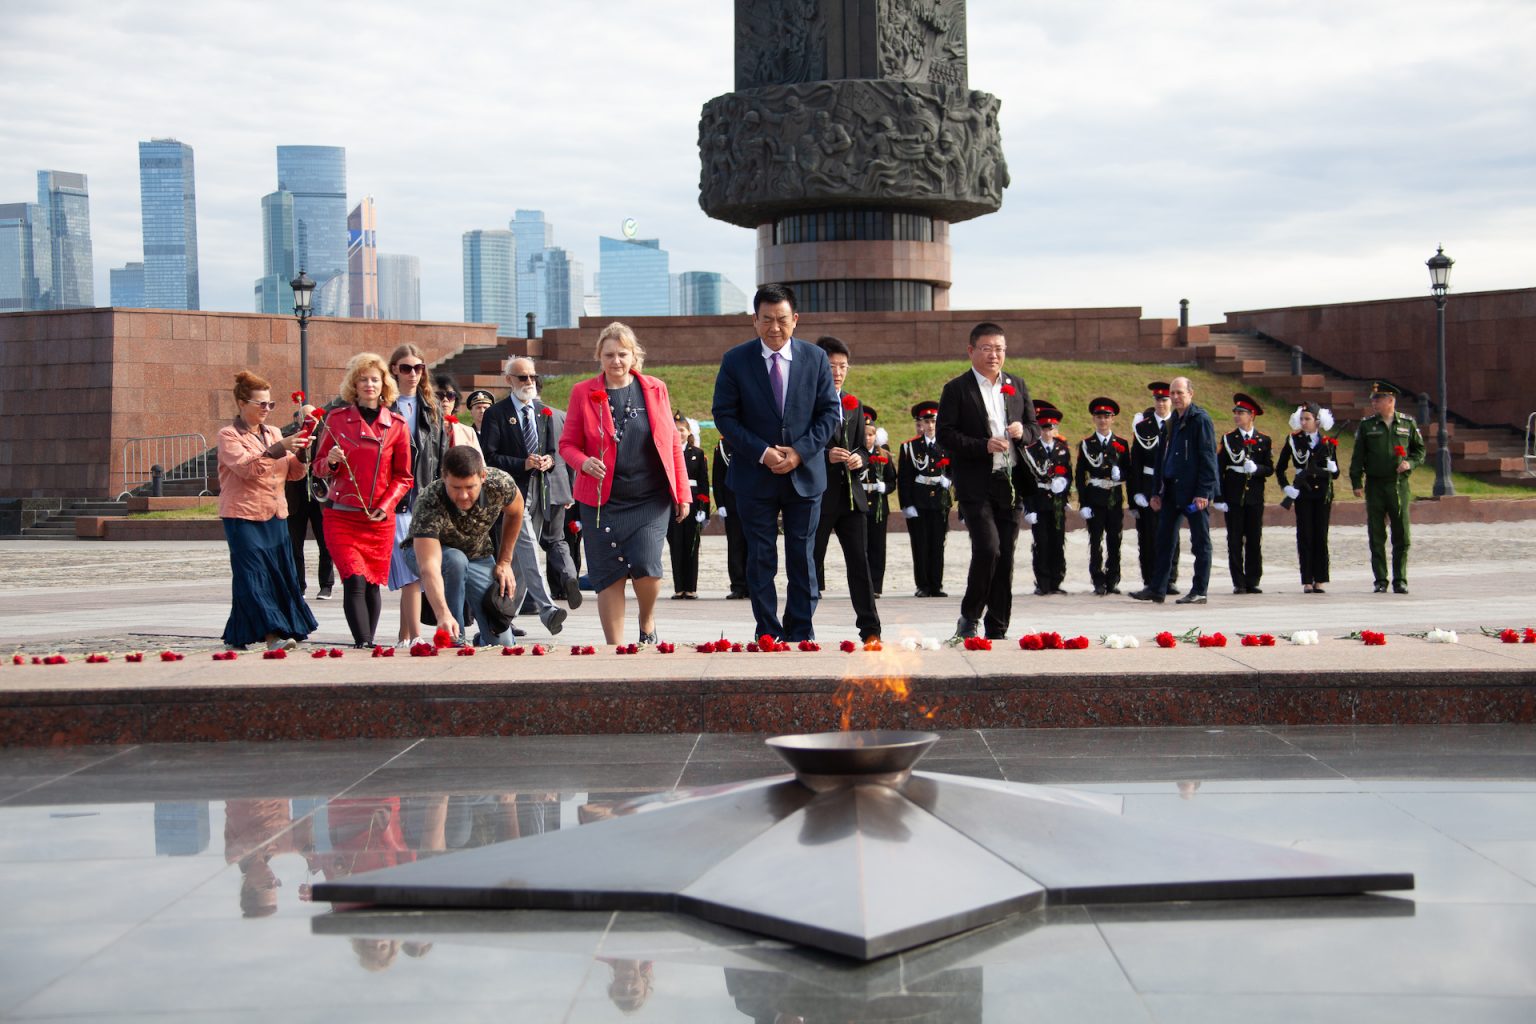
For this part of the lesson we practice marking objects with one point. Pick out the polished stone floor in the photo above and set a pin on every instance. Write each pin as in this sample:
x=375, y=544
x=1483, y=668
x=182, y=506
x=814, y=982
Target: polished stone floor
x=171, y=883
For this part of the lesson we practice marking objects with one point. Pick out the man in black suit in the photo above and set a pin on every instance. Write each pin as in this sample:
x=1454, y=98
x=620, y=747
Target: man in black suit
x=1186, y=486
x=774, y=403
x=1148, y=432
x=844, y=502
x=1245, y=459
x=922, y=487
x=986, y=420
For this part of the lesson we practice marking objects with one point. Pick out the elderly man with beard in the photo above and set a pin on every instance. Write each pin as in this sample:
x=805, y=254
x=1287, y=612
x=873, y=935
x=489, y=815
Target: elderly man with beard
x=518, y=435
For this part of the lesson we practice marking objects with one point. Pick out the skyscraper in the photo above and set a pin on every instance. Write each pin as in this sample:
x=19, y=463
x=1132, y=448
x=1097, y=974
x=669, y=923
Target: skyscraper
x=66, y=203
x=317, y=177
x=168, y=201
x=363, y=260
x=127, y=284
x=706, y=293
x=273, y=294
x=490, y=280
x=564, y=287
x=399, y=287
x=633, y=274
x=26, y=258
x=534, y=235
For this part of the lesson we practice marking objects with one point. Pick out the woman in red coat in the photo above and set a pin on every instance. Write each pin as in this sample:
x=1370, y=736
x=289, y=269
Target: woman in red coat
x=366, y=457
x=630, y=481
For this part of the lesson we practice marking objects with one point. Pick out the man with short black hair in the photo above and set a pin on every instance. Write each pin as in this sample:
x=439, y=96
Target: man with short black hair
x=450, y=546
x=1187, y=485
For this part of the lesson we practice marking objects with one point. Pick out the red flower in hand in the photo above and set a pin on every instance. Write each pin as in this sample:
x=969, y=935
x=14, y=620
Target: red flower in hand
x=701, y=498
x=317, y=414
x=1332, y=441
x=850, y=403
x=881, y=459
x=944, y=462
x=1009, y=390
x=442, y=638
x=298, y=397
x=1400, y=451
x=574, y=526
x=1059, y=470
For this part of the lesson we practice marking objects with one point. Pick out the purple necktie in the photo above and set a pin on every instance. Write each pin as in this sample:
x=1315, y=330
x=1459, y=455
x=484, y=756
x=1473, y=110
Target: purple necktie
x=776, y=376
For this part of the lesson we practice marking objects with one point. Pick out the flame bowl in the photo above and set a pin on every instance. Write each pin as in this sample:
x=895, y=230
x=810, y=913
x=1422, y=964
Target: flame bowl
x=870, y=752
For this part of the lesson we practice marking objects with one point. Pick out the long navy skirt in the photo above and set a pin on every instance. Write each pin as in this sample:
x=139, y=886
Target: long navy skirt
x=265, y=589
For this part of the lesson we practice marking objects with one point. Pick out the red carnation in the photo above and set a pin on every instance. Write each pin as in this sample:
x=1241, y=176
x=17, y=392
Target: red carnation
x=944, y=462
x=1530, y=636
x=1077, y=643
x=277, y=655
x=597, y=397
x=574, y=526
x=1031, y=642
x=450, y=418
x=1508, y=636
x=1166, y=639
x=511, y=651
x=1009, y=389
x=134, y=656
x=879, y=458
x=1373, y=639
x=1332, y=440
x=539, y=650
x=334, y=652
x=701, y=497
x=317, y=654
x=317, y=414
x=847, y=647
x=442, y=638
x=850, y=403
x=545, y=410
x=298, y=397
x=1059, y=470
x=1400, y=451
x=1118, y=446
x=666, y=647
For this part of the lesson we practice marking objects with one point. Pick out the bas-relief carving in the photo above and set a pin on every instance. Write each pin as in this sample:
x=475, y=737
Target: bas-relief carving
x=784, y=42
x=871, y=142
x=779, y=42
x=923, y=41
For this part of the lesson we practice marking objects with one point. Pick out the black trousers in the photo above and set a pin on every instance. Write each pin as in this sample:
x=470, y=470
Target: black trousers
x=735, y=554
x=927, y=532
x=994, y=528
x=1245, y=551
x=874, y=529
x=1146, y=549
x=1104, y=532
x=683, y=543
x=851, y=530
x=1048, y=552
x=305, y=515
x=1312, y=518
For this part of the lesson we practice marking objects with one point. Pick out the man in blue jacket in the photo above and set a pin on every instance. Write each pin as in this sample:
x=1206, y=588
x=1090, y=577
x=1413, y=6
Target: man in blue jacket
x=776, y=408
x=1186, y=487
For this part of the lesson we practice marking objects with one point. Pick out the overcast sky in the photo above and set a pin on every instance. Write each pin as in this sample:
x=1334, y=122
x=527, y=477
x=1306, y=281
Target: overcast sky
x=1241, y=154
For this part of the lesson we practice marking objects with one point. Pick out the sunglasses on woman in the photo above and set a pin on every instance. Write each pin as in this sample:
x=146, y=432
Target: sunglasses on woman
x=269, y=406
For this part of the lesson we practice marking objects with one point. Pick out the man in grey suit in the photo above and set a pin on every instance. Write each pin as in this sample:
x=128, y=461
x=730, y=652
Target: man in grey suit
x=776, y=407
x=519, y=434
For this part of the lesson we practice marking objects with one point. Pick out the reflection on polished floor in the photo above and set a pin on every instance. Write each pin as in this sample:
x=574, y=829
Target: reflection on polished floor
x=171, y=883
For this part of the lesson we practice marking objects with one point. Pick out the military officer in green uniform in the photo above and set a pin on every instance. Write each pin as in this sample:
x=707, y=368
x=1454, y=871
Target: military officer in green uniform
x=1387, y=448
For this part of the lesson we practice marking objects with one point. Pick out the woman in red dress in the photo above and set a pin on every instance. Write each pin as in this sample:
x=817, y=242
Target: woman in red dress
x=366, y=457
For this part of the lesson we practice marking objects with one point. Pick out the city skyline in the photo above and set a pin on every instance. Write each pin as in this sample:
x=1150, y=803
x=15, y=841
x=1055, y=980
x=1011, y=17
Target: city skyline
x=168, y=205
x=1155, y=155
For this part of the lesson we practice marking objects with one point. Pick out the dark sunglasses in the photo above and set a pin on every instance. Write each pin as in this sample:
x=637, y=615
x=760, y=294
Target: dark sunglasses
x=410, y=367
x=269, y=406
x=529, y=377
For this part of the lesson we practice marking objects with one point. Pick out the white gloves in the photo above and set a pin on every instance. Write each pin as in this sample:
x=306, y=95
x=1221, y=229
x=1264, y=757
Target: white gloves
x=1085, y=512
x=880, y=487
x=1031, y=518
x=701, y=517
x=1291, y=492
x=1059, y=485
x=1333, y=467
x=720, y=511
x=910, y=511
x=1219, y=506
x=1249, y=467
x=1141, y=500
x=1114, y=473
x=944, y=482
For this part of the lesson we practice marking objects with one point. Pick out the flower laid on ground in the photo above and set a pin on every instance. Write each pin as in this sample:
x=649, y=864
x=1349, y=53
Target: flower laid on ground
x=277, y=655
x=334, y=652
x=1258, y=639
x=98, y=658
x=847, y=646
x=978, y=643
x=1302, y=638
x=1370, y=638
x=1511, y=636
x=171, y=656
x=920, y=643
x=383, y=652
x=466, y=651
x=507, y=652
x=809, y=645
x=539, y=650
x=18, y=658
x=224, y=655
x=55, y=659
x=317, y=654
x=1212, y=640
x=620, y=649
x=1117, y=642
x=1076, y=643
x=585, y=649
x=134, y=656
x=1166, y=639
x=1442, y=636
x=668, y=647
x=423, y=649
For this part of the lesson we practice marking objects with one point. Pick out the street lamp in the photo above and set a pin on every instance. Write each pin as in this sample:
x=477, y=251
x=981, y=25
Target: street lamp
x=303, y=293
x=1440, y=282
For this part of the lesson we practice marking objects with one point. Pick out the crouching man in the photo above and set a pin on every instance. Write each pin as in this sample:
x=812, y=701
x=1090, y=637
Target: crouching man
x=451, y=547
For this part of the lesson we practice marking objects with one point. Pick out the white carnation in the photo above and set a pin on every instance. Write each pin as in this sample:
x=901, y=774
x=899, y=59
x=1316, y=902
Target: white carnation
x=930, y=643
x=1442, y=636
x=1304, y=637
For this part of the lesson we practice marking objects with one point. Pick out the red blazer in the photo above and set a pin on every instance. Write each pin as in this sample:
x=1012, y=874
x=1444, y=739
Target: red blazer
x=589, y=432
x=380, y=457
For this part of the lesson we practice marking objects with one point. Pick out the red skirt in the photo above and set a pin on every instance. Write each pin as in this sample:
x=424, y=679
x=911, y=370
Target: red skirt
x=359, y=546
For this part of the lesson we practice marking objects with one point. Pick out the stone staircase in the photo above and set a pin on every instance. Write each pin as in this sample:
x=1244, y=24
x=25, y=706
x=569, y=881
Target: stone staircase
x=480, y=366
x=60, y=525
x=1495, y=453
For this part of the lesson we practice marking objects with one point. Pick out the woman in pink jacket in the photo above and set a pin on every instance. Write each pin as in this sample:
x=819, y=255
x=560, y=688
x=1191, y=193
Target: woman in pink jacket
x=620, y=439
x=255, y=460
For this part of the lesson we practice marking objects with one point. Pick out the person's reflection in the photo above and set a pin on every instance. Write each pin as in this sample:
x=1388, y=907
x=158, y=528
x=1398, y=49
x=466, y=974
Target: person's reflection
x=1188, y=788
x=630, y=983
x=255, y=831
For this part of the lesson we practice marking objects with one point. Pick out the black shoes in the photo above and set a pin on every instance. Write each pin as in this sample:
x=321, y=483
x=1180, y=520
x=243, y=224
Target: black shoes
x=1381, y=588
x=554, y=621
x=573, y=593
x=1239, y=590
x=1255, y=590
x=965, y=627
x=1147, y=594
x=736, y=595
x=1399, y=588
x=324, y=595
x=1172, y=590
x=1099, y=590
x=1191, y=598
x=937, y=593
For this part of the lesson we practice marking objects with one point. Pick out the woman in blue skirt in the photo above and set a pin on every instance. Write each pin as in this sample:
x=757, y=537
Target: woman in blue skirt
x=255, y=460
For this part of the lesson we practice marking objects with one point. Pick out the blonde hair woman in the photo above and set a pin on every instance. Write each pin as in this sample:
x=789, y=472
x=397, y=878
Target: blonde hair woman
x=365, y=454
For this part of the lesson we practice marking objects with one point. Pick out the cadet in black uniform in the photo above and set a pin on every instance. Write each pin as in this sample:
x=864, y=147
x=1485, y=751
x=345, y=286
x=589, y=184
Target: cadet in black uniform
x=922, y=488
x=879, y=482
x=1148, y=430
x=683, y=538
x=1045, y=481
x=1245, y=458
x=1103, y=463
x=1315, y=458
x=735, y=543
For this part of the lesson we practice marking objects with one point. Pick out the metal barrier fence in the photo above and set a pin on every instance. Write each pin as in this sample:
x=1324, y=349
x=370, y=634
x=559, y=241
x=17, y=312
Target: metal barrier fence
x=169, y=458
x=1530, y=444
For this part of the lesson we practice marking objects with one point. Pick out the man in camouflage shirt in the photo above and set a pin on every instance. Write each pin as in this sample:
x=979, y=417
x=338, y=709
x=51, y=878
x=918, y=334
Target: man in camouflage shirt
x=1387, y=448
x=450, y=540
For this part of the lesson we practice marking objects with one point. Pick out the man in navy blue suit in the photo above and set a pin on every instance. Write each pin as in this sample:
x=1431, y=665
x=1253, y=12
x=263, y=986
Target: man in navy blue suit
x=776, y=408
x=1186, y=476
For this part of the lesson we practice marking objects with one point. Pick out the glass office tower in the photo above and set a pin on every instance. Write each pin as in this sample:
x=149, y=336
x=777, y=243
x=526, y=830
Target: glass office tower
x=273, y=294
x=127, y=284
x=399, y=287
x=26, y=258
x=634, y=277
x=168, y=200
x=490, y=281
x=363, y=260
x=66, y=202
x=317, y=178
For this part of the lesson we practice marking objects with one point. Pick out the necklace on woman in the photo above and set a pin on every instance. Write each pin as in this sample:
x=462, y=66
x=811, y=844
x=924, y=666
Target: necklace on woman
x=623, y=411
